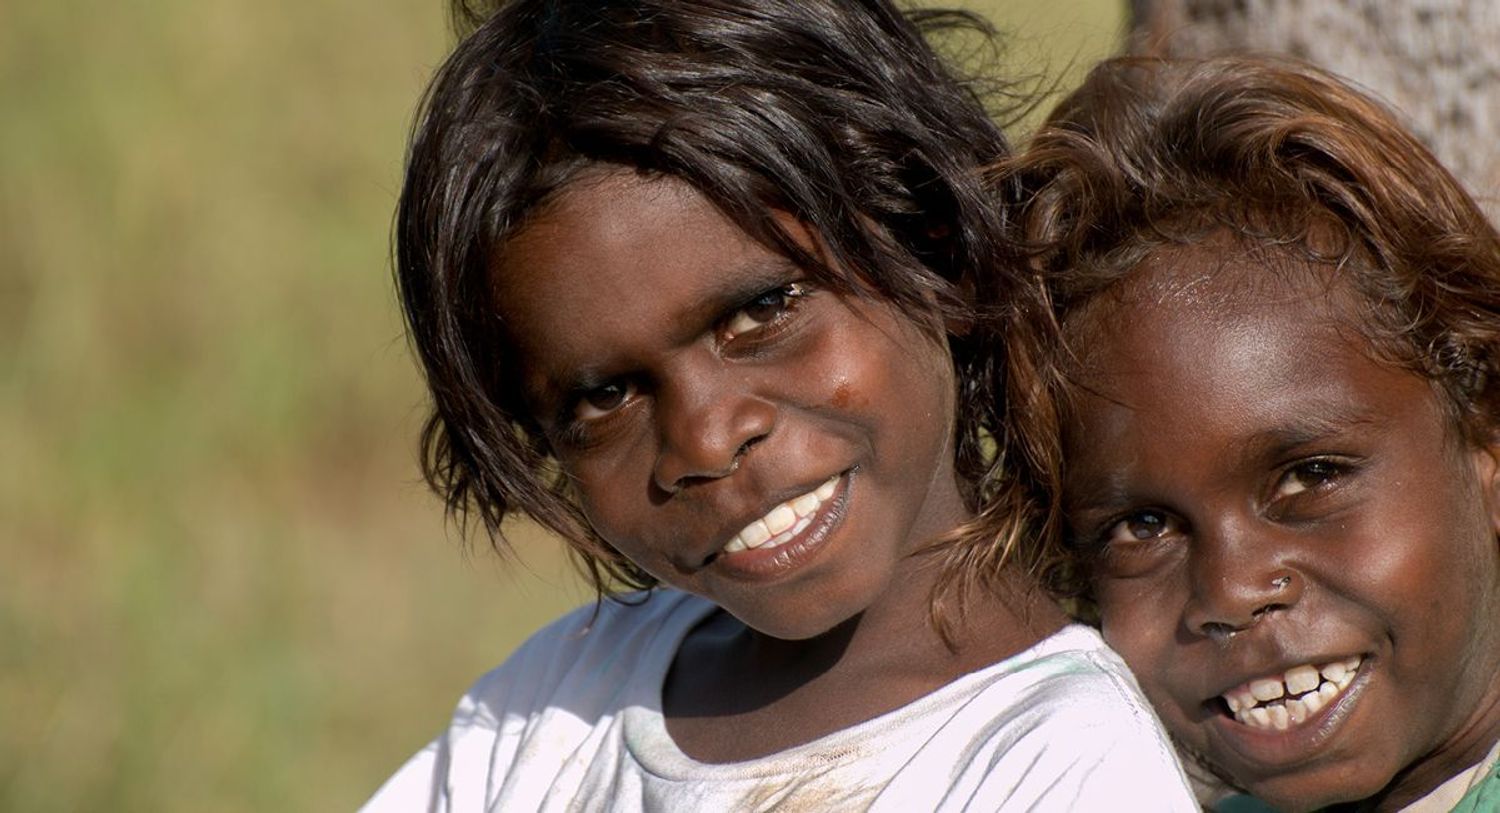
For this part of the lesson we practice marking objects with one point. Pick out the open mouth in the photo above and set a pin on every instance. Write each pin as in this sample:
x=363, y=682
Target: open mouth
x=783, y=523
x=1279, y=702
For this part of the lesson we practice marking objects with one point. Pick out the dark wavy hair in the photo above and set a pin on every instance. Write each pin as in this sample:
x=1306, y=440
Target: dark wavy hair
x=838, y=112
x=1283, y=157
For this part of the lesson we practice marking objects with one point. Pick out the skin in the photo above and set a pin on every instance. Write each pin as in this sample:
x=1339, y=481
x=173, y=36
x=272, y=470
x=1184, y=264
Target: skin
x=1238, y=432
x=688, y=380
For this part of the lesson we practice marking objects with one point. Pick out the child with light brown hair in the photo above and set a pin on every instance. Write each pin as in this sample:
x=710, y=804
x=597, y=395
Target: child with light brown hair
x=1277, y=434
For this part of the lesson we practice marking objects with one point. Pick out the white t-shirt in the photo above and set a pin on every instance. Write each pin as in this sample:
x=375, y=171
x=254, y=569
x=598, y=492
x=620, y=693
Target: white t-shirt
x=572, y=722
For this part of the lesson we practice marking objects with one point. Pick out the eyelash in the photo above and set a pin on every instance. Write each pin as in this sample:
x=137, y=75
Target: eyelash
x=1332, y=471
x=577, y=431
x=788, y=298
x=1105, y=538
x=1328, y=475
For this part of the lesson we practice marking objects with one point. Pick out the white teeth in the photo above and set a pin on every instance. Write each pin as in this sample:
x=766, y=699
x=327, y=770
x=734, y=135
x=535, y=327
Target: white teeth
x=1333, y=671
x=1296, y=711
x=1306, y=689
x=1267, y=689
x=755, y=534
x=1300, y=679
x=783, y=522
x=826, y=490
x=780, y=518
x=1345, y=672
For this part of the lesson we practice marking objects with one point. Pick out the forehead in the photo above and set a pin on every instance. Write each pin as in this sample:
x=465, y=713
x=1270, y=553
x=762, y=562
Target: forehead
x=1231, y=342
x=617, y=266
x=1213, y=295
x=606, y=232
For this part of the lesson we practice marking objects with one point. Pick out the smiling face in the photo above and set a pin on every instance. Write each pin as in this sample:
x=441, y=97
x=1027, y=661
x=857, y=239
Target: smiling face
x=1292, y=550
x=731, y=426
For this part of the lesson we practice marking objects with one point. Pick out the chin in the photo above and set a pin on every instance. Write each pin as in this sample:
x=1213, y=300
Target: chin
x=1306, y=791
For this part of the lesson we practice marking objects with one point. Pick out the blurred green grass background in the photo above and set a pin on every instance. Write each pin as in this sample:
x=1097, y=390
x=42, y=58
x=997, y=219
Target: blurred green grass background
x=222, y=586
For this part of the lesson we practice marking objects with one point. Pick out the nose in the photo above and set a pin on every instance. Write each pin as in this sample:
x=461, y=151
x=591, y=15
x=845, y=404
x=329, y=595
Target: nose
x=1238, y=579
x=706, y=425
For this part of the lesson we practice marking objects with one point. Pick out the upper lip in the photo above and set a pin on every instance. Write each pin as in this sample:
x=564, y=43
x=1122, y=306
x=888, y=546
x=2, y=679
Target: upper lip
x=742, y=517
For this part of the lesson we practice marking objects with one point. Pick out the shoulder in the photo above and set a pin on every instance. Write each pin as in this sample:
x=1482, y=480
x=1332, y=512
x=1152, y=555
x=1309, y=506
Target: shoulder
x=1076, y=666
x=1072, y=685
x=612, y=636
x=1070, y=727
x=567, y=679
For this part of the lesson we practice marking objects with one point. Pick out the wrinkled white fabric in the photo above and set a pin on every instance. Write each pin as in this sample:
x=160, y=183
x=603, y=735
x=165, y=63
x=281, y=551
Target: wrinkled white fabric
x=572, y=722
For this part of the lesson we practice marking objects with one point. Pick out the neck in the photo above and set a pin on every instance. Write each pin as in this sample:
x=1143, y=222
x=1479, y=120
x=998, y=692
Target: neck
x=993, y=621
x=762, y=694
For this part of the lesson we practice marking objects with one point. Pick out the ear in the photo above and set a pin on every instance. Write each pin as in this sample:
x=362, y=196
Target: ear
x=1487, y=466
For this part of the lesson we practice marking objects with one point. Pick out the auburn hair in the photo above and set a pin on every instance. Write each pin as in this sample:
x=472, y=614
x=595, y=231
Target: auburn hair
x=1281, y=156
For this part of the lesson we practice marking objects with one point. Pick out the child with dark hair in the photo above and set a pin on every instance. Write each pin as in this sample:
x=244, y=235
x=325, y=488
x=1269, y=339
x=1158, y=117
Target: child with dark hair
x=1280, y=445
x=694, y=285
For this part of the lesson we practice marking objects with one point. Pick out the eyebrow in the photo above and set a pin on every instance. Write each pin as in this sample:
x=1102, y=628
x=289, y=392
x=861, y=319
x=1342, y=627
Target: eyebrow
x=732, y=289
x=1324, y=420
x=1107, y=490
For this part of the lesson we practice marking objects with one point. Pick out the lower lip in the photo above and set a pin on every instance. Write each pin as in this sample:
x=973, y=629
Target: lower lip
x=1274, y=751
x=771, y=563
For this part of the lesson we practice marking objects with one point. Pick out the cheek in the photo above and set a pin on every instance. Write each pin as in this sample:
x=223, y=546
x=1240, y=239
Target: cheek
x=880, y=373
x=1137, y=620
x=613, y=489
x=1430, y=557
x=1140, y=622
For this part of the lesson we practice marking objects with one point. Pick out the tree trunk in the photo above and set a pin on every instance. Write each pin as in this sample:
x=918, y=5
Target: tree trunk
x=1436, y=61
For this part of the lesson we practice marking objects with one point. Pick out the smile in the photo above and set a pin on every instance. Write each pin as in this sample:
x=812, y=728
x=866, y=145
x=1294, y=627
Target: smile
x=1280, y=702
x=783, y=523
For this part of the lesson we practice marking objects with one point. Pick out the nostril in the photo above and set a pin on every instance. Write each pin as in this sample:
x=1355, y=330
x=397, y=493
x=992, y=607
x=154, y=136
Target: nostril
x=747, y=446
x=1222, y=631
x=1267, y=608
x=1219, y=632
x=739, y=457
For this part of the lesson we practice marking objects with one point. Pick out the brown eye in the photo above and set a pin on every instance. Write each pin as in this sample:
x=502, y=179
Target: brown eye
x=763, y=310
x=600, y=401
x=1307, y=476
x=1139, y=527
